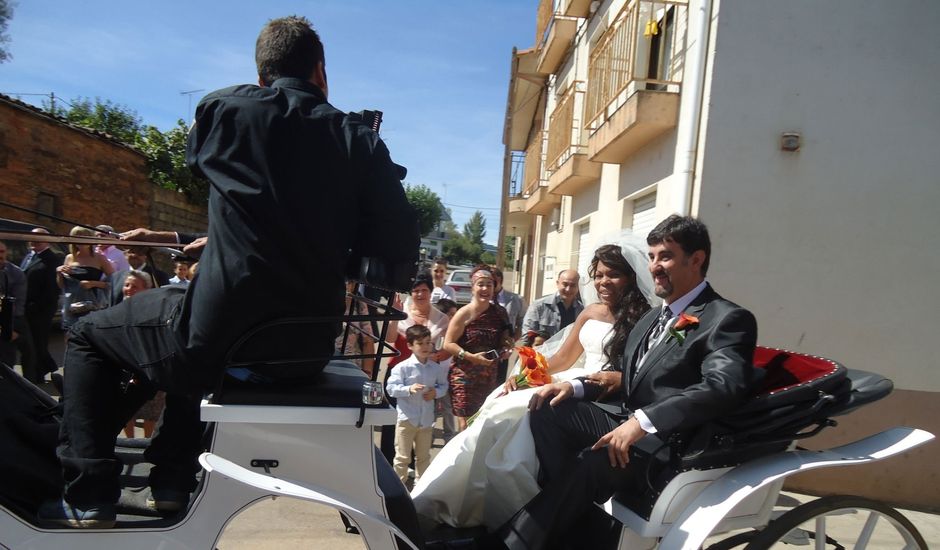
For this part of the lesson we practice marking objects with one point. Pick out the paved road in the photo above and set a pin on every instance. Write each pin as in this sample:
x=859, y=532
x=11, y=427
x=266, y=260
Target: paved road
x=286, y=524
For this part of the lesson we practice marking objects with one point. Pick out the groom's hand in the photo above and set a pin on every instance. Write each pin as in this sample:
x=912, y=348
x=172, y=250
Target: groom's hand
x=619, y=441
x=557, y=392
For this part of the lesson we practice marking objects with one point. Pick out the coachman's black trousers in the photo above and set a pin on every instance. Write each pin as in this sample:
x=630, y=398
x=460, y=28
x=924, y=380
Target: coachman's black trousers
x=138, y=336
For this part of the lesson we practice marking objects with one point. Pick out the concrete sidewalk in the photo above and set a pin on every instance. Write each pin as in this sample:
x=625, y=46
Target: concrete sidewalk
x=284, y=524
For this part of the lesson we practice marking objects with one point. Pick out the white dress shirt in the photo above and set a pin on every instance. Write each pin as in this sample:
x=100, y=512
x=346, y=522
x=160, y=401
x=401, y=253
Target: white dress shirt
x=413, y=407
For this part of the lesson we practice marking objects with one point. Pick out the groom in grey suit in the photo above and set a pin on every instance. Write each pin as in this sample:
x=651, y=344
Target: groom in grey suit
x=684, y=364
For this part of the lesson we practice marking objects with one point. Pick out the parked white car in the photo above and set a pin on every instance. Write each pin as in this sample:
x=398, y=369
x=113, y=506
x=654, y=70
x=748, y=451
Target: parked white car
x=459, y=280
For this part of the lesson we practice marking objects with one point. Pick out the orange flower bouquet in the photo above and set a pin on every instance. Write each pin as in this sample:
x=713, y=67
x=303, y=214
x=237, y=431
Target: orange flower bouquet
x=534, y=370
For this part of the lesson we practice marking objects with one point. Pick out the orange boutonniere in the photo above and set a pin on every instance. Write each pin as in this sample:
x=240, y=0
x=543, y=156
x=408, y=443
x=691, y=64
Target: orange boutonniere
x=681, y=326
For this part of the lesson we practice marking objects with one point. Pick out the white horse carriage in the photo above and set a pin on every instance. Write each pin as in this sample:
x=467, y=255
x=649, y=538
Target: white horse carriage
x=316, y=443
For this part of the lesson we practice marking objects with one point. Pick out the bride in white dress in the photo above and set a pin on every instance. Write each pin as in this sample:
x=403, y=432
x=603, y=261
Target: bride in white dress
x=488, y=471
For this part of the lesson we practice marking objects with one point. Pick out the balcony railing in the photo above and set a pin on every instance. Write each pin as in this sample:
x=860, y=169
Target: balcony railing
x=517, y=173
x=533, y=166
x=566, y=127
x=542, y=19
x=537, y=198
x=642, y=50
x=577, y=8
x=554, y=34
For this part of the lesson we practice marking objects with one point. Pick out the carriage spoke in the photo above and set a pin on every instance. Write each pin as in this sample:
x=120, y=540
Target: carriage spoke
x=821, y=533
x=839, y=522
x=865, y=536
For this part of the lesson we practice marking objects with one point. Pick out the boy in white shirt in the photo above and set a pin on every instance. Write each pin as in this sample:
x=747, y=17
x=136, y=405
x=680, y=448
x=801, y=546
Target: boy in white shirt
x=415, y=381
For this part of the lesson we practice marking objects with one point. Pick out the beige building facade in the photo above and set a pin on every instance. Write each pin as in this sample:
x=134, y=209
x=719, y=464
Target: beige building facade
x=804, y=133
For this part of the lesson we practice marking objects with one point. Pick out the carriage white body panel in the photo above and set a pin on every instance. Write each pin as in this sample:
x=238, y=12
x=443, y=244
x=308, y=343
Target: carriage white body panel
x=319, y=446
x=703, y=515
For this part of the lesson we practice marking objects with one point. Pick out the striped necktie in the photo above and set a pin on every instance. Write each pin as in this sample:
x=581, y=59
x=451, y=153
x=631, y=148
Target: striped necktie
x=659, y=327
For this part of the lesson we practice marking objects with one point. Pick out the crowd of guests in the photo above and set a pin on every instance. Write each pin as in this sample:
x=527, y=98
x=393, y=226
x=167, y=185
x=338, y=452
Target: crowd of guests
x=470, y=345
x=88, y=278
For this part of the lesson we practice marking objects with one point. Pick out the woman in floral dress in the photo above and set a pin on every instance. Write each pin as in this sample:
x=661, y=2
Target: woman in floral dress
x=477, y=328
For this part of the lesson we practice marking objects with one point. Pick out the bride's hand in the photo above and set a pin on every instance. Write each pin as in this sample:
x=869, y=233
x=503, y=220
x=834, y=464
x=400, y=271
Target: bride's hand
x=607, y=381
x=509, y=386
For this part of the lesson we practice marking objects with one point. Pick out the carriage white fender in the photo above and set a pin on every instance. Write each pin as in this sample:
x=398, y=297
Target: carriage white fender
x=712, y=504
x=278, y=486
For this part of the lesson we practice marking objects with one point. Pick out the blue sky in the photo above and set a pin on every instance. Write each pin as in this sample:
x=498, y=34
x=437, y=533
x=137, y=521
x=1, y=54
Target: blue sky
x=439, y=70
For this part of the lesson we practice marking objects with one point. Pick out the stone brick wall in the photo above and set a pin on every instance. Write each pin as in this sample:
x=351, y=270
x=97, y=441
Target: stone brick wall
x=171, y=210
x=50, y=166
x=81, y=175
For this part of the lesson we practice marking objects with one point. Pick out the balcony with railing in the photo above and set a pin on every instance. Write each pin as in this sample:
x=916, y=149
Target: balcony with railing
x=568, y=164
x=554, y=32
x=515, y=205
x=634, y=78
x=576, y=8
x=538, y=199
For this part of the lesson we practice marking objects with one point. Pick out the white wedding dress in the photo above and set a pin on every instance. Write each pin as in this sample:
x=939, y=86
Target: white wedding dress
x=488, y=472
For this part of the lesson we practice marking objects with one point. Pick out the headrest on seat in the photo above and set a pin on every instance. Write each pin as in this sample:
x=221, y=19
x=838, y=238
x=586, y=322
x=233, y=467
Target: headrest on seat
x=793, y=378
x=784, y=369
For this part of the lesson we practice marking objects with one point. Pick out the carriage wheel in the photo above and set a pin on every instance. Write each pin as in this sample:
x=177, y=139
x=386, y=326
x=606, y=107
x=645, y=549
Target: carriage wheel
x=840, y=522
x=734, y=541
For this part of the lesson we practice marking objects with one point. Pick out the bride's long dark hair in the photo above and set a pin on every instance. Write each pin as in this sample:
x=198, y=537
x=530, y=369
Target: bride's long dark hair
x=628, y=310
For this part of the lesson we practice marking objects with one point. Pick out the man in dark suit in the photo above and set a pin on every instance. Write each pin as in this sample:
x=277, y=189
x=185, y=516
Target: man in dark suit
x=42, y=299
x=684, y=364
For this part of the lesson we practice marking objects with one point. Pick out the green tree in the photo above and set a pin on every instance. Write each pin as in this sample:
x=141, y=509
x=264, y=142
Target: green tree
x=119, y=121
x=475, y=228
x=509, y=250
x=467, y=247
x=165, y=151
x=428, y=205
x=6, y=13
x=460, y=250
x=166, y=160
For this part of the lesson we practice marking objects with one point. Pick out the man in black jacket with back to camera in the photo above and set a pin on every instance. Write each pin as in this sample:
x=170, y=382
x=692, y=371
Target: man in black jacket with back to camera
x=296, y=186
